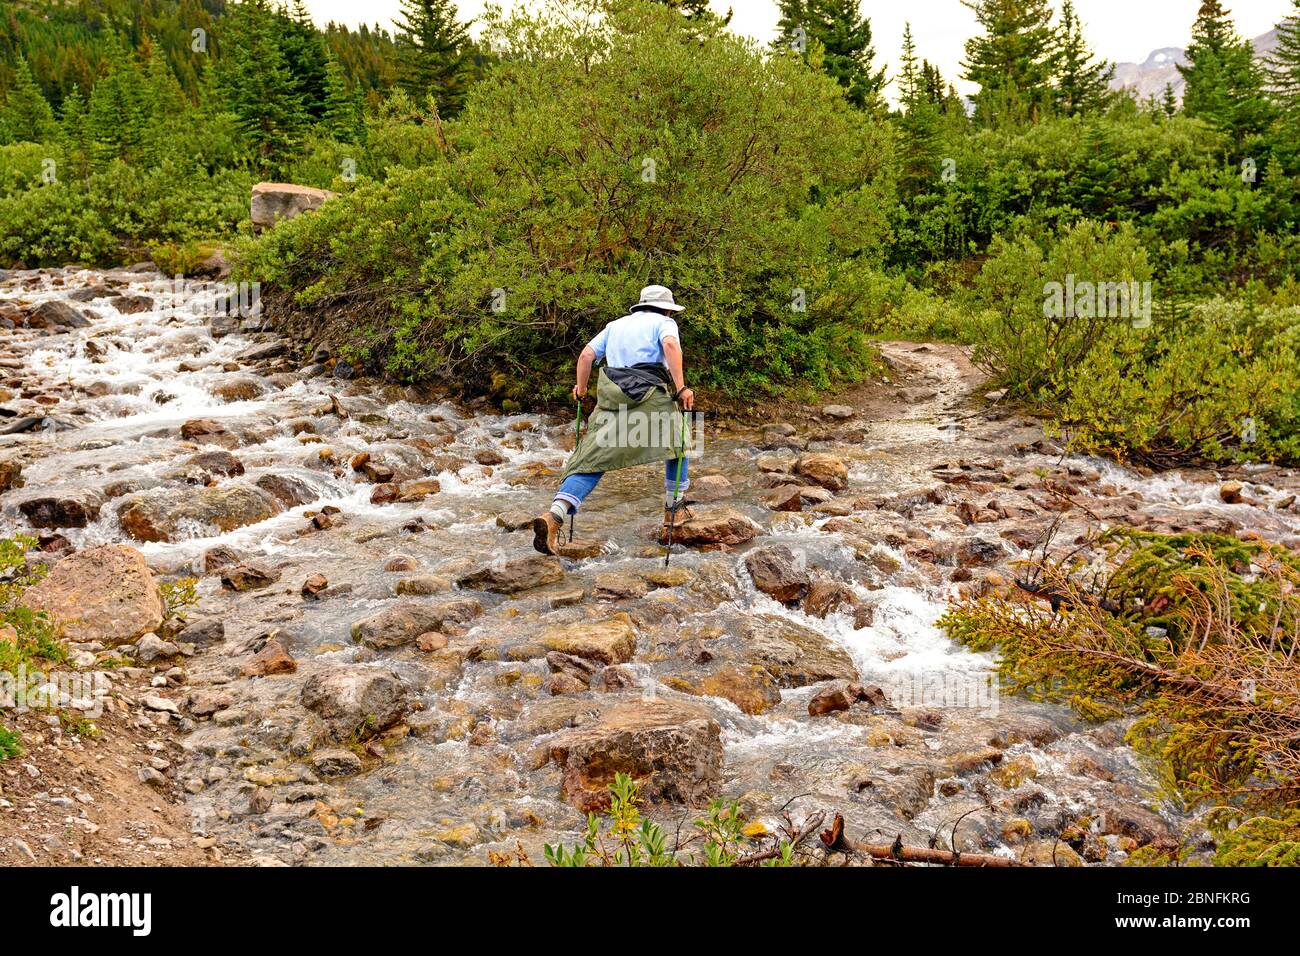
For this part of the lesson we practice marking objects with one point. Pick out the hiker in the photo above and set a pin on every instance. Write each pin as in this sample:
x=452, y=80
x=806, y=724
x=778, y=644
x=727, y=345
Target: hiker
x=636, y=420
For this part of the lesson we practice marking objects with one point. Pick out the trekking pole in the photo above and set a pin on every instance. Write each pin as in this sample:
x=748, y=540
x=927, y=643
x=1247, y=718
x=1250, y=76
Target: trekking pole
x=677, y=484
x=577, y=428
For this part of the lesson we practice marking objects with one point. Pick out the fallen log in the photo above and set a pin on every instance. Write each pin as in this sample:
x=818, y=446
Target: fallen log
x=897, y=853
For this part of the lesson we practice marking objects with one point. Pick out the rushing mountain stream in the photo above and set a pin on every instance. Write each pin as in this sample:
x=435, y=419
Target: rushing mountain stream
x=381, y=671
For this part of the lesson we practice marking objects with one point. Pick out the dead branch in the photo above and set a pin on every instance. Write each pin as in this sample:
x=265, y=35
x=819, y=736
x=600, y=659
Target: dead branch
x=896, y=852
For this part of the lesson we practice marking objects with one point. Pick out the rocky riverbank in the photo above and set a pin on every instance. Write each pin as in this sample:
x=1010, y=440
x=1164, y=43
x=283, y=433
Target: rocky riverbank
x=379, y=669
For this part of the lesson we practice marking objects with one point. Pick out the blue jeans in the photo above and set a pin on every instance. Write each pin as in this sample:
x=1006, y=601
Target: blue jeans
x=575, y=488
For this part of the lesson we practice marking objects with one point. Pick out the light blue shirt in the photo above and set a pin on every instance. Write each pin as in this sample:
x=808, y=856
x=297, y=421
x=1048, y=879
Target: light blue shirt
x=635, y=338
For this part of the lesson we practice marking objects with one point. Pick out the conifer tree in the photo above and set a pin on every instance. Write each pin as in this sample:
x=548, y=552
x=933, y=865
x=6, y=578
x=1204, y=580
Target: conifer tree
x=918, y=121
x=1169, y=101
x=435, y=53
x=72, y=130
x=1013, y=60
x=114, y=120
x=27, y=116
x=1284, y=63
x=257, y=85
x=1224, y=84
x=1082, y=84
x=844, y=36
x=342, y=114
x=304, y=51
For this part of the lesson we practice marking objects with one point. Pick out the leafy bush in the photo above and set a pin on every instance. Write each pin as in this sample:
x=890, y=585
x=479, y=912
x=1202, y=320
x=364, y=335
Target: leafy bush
x=1173, y=382
x=1019, y=342
x=24, y=634
x=624, y=838
x=1219, y=384
x=10, y=744
x=616, y=145
x=111, y=215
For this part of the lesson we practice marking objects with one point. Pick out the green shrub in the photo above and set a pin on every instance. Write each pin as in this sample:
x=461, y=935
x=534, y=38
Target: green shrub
x=604, y=153
x=10, y=744
x=25, y=635
x=1019, y=343
x=622, y=837
x=1214, y=381
x=112, y=215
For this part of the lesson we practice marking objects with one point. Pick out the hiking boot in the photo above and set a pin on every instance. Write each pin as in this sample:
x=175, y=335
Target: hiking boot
x=546, y=533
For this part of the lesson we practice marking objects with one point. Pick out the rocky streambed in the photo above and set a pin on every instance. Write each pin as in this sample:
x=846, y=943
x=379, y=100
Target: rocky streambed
x=379, y=669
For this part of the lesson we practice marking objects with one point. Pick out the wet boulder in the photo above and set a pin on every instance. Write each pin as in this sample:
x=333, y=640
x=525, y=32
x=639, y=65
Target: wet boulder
x=287, y=490
x=237, y=388
x=751, y=688
x=826, y=470
x=793, y=654
x=163, y=514
x=271, y=658
x=784, y=498
x=403, y=622
x=221, y=464
x=72, y=509
x=205, y=431
x=710, y=488
x=843, y=696
x=512, y=575
x=611, y=641
x=356, y=700
x=778, y=573
x=105, y=594
x=11, y=475
x=131, y=303
x=56, y=314
x=718, y=527
x=250, y=576
x=673, y=751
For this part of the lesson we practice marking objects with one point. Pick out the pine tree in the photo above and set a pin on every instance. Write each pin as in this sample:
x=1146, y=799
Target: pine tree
x=1169, y=101
x=257, y=85
x=72, y=126
x=115, y=121
x=303, y=48
x=1082, y=85
x=1224, y=84
x=435, y=53
x=845, y=40
x=27, y=116
x=918, y=121
x=1284, y=63
x=1013, y=61
x=1284, y=81
x=342, y=115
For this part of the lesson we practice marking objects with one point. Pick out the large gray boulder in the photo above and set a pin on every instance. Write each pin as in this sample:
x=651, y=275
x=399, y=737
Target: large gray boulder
x=356, y=701
x=273, y=202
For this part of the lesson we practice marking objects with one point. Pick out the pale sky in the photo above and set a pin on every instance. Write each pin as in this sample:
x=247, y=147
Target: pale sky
x=1119, y=30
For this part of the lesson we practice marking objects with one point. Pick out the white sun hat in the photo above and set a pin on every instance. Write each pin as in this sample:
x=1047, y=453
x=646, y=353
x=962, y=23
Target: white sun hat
x=660, y=296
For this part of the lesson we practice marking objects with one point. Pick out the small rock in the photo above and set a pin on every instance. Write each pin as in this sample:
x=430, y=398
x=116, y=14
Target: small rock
x=249, y=577
x=313, y=586
x=336, y=762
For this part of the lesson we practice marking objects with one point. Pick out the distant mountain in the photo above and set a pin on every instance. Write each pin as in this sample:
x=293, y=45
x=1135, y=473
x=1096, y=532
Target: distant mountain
x=1150, y=76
